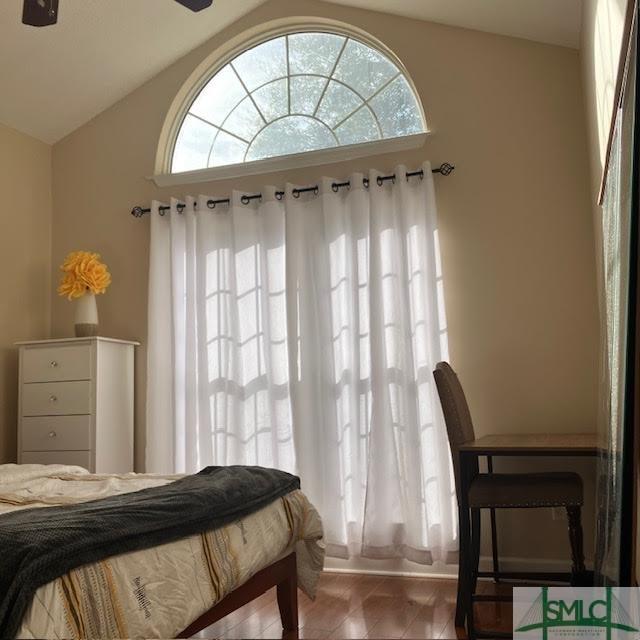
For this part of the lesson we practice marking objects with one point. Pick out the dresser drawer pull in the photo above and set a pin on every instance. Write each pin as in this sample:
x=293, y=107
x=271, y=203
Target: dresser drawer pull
x=53, y=399
x=52, y=434
x=53, y=364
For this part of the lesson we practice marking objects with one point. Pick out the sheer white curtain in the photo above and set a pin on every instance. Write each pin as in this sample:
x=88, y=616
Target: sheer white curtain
x=301, y=333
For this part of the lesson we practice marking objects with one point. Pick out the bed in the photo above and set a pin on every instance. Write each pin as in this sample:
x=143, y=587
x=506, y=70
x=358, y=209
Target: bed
x=171, y=590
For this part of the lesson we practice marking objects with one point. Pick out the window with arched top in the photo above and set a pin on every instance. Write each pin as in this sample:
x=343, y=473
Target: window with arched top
x=296, y=93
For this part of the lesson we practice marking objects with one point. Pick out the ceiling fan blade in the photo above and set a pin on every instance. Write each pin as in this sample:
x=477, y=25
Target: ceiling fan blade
x=196, y=5
x=40, y=13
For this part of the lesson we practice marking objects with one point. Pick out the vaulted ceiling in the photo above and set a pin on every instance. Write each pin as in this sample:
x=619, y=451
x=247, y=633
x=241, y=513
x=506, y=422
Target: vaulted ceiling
x=55, y=79
x=550, y=21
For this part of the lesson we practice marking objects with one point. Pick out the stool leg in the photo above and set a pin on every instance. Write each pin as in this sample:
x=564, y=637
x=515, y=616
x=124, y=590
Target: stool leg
x=474, y=561
x=575, y=539
x=459, y=619
x=463, y=565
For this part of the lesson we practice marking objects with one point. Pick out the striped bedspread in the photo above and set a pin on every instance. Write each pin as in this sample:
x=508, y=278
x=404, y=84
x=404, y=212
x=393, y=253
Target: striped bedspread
x=157, y=592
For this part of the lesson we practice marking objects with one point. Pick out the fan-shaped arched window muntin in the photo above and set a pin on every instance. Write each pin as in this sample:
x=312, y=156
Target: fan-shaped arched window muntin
x=295, y=93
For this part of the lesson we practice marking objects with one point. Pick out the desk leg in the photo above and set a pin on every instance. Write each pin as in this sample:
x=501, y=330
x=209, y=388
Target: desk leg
x=476, y=524
x=494, y=530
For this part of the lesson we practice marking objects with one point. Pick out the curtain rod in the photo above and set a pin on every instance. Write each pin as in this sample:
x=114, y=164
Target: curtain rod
x=444, y=169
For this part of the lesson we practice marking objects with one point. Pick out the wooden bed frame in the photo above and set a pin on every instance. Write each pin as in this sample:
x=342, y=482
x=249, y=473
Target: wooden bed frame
x=281, y=574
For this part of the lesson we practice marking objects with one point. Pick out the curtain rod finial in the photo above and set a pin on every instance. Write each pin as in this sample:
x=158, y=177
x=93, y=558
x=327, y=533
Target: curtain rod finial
x=445, y=169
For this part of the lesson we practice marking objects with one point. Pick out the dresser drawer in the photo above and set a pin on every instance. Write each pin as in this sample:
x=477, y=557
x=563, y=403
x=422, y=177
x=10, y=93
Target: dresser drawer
x=56, y=398
x=77, y=458
x=50, y=364
x=56, y=433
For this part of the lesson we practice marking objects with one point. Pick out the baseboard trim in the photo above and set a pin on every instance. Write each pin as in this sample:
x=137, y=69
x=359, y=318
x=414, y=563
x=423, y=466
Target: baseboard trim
x=407, y=569
x=390, y=567
x=399, y=574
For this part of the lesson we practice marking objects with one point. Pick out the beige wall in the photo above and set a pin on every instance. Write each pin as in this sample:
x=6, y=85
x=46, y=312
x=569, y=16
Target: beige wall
x=25, y=263
x=515, y=224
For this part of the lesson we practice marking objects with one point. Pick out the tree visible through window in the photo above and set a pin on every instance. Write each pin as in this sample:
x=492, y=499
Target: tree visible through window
x=296, y=93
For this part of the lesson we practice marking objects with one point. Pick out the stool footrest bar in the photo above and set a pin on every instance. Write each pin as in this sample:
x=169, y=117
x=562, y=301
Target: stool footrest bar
x=485, y=597
x=539, y=576
x=487, y=633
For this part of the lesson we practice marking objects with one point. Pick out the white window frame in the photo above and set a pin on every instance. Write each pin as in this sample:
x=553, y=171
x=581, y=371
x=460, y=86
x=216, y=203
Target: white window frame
x=163, y=176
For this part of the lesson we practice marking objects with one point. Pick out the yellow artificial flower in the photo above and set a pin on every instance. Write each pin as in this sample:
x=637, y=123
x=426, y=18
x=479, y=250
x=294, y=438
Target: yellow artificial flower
x=83, y=273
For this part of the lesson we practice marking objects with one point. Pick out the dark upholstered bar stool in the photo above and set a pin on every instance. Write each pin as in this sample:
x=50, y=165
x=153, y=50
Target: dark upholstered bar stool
x=498, y=491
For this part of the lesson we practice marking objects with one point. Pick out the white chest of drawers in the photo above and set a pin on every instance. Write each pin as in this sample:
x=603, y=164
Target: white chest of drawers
x=76, y=403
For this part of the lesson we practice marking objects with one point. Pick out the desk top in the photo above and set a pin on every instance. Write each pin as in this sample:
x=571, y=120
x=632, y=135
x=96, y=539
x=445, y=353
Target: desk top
x=535, y=444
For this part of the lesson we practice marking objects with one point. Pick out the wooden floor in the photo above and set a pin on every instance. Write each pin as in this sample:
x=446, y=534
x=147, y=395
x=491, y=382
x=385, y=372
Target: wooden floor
x=363, y=606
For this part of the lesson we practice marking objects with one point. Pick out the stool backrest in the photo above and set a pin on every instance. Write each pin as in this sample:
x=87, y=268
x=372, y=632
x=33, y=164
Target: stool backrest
x=456, y=412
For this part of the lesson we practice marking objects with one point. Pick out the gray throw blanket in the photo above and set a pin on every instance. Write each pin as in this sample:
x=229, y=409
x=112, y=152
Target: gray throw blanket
x=40, y=545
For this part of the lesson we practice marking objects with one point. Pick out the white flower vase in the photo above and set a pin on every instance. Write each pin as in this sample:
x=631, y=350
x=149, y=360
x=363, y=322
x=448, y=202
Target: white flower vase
x=86, y=319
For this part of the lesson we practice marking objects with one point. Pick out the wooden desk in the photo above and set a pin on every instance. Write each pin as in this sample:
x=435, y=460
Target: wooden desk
x=522, y=444
x=531, y=444
x=534, y=445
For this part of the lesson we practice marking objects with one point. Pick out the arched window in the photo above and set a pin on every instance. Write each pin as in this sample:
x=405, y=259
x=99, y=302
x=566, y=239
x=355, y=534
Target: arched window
x=296, y=93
